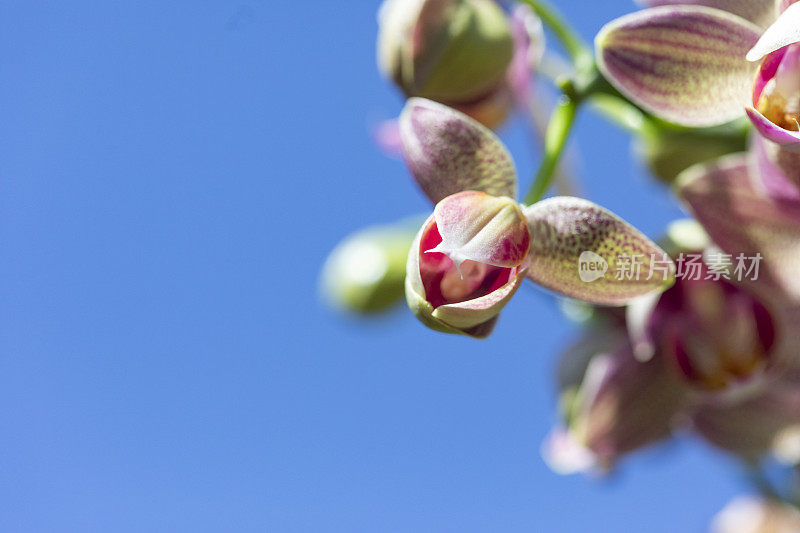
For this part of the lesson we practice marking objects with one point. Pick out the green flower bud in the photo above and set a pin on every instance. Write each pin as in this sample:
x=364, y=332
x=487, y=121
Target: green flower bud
x=451, y=51
x=365, y=273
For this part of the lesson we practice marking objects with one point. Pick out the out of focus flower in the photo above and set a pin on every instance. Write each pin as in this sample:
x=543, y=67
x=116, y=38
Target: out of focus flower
x=695, y=65
x=467, y=54
x=471, y=255
x=756, y=515
x=365, y=273
x=611, y=402
x=707, y=355
x=749, y=206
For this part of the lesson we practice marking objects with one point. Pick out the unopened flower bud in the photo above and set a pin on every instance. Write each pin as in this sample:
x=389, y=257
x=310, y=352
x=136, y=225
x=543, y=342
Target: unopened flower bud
x=451, y=51
x=365, y=273
x=466, y=262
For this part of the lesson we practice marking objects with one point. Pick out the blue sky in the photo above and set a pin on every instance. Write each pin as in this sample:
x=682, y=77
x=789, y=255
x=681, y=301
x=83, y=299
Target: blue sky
x=172, y=175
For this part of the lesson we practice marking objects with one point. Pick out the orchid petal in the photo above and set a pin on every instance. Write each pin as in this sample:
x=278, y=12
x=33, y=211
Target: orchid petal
x=565, y=455
x=568, y=233
x=783, y=32
x=742, y=220
x=682, y=63
x=787, y=138
x=782, y=5
x=622, y=404
x=760, y=12
x=527, y=31
x=449, y=152
x=472, y=313
x=748, y=427
x=768, y=174
x=752, y=514
x=478, y=227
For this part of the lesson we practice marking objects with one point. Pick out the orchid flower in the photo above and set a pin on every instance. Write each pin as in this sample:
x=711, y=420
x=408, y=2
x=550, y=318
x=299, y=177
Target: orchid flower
x=705, y=355
x=474, y=251
x=707, y=62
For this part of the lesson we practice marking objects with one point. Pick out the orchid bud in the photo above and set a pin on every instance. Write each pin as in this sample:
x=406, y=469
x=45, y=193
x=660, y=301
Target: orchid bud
x=466, y=262
x=452, y=51
x=365, y=273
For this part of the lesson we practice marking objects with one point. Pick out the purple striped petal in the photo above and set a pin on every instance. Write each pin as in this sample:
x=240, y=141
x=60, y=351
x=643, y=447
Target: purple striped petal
x=783, y=32
x=760, y=12
x=586, y=252
x=683, y=63
x=449, y=152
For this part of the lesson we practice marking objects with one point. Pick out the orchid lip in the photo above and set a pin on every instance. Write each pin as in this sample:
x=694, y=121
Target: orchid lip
x=719, y=336
x=776, y=93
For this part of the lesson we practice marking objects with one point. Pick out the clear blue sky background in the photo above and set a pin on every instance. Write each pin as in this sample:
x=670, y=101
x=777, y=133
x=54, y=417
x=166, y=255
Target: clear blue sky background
x=172, y=175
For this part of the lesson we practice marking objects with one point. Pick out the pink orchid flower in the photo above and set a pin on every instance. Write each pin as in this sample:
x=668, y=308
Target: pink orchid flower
x=477, y=247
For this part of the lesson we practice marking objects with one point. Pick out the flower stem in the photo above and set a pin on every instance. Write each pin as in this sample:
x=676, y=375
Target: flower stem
x=568, y=37
x=555, y=140
x=620, y=112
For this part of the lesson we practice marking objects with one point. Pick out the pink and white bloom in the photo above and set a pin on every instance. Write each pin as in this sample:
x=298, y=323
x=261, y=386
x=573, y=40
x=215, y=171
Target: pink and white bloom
x=479, y=244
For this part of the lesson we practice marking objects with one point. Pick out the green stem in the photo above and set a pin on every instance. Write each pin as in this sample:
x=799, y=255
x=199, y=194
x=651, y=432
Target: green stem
x=620, y=112
x=555, y=140
x=569, y=38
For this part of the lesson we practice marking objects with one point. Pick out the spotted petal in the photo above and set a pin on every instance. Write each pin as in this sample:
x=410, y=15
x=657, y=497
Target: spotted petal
x=586, y=252
x=741, y=219
x=449, y=152
x=760, y=12
x=683, y=63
